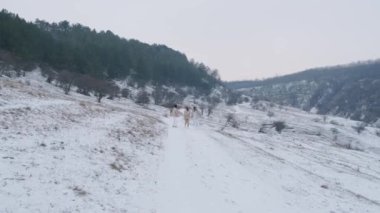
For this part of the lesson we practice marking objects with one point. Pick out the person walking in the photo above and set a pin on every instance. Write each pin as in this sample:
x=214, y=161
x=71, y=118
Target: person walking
x=174, y=112
x=186, y=116
x=195, y=115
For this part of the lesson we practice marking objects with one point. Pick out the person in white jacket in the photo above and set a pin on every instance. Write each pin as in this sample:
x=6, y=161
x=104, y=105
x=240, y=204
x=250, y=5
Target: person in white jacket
x=186, y=116
x=195, y=116
x=174, y=112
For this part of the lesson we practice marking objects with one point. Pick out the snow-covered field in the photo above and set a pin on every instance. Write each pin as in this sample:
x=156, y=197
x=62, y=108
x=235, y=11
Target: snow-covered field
x=67, y=153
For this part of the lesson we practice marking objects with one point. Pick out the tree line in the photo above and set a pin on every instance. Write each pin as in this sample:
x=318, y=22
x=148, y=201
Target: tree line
x=101, y=55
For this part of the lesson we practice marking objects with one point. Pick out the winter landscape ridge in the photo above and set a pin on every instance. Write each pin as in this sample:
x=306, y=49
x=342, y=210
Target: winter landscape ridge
x=68, y=153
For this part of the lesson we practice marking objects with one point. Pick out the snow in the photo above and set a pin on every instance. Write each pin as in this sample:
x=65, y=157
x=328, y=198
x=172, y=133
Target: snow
x=67, y=153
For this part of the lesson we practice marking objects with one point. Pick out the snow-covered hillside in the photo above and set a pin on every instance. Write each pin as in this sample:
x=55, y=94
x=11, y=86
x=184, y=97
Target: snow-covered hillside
x=67, y=153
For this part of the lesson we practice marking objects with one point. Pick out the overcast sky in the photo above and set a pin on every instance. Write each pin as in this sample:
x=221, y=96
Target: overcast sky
x=243, y=39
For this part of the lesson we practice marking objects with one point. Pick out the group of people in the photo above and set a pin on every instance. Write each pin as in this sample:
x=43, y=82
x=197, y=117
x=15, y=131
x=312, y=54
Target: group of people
x=188, y=114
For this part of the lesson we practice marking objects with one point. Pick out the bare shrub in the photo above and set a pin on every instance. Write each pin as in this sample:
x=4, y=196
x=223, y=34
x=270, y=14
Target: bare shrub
x=212, y=103
x=210, y=108
x=125, y=93
x=360, y=127
x=378, y=133
x=65, y=80
x=232, y=98
x=264, y=127
x=142, y=98
x=48, y=72
x=82, y=104
x=158, y=95
x=279, y=126
x=202, y=107
x=324, y=186
x=112, y=90
x=334, y=130
x=270, y=114
x=259, y=106
x=335, y=133
x=101, y=88
x=117, y=166
x=79, y=191
x=84, y=84
x=324, y=118
x=333, y=122
x=231, y=121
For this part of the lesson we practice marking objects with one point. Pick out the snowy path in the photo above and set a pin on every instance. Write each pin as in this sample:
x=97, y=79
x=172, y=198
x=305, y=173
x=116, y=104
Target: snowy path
x=206, y=171
x=193, y=180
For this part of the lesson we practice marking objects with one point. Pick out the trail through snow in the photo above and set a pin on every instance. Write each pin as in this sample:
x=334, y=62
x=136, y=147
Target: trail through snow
x=194, y=180
x=199, y=175
x=208, y=171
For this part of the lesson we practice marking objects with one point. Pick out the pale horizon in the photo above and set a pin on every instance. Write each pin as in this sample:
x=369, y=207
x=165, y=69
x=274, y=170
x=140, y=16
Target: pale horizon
x=244, y=40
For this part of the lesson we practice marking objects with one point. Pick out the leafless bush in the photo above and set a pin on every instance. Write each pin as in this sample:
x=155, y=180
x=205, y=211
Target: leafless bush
x=65, y=80
x=212, y=103
x=117, y=166
x=231, y=121
x=84, y=84
x=82, y=104
x=333, y=122
x=210, y=109
x=79, y=191
x=259, y=106
x=378, y=133
x=48, y=72
x=360, y=127
x=112, y=90
x=279, y=126
x=264, y=128
x=125, y=93
x=334, y=130
x=142, y=98
x=324, y=118
x=158, y=95
x=202, y=107
x=335, y=133
x=233, y=98
x=270, y=114
x=101, y=88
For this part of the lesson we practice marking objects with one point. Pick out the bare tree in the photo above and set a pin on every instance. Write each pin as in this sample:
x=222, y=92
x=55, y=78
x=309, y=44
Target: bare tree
x=142, y=98
x=99, y=87
x=84, y=84
x=212, y=103
x=360, y=127
x=158, y=95
x=125, y=93
x=113, y=90
x=65, y=80
x=231, y=121
x=48, y=72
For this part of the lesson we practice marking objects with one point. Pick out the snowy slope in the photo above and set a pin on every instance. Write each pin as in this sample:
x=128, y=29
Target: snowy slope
x=69, y=154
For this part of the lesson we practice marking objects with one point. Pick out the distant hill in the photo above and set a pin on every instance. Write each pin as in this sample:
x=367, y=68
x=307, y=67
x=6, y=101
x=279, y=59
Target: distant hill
x=351, y=90
x=104, y=55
